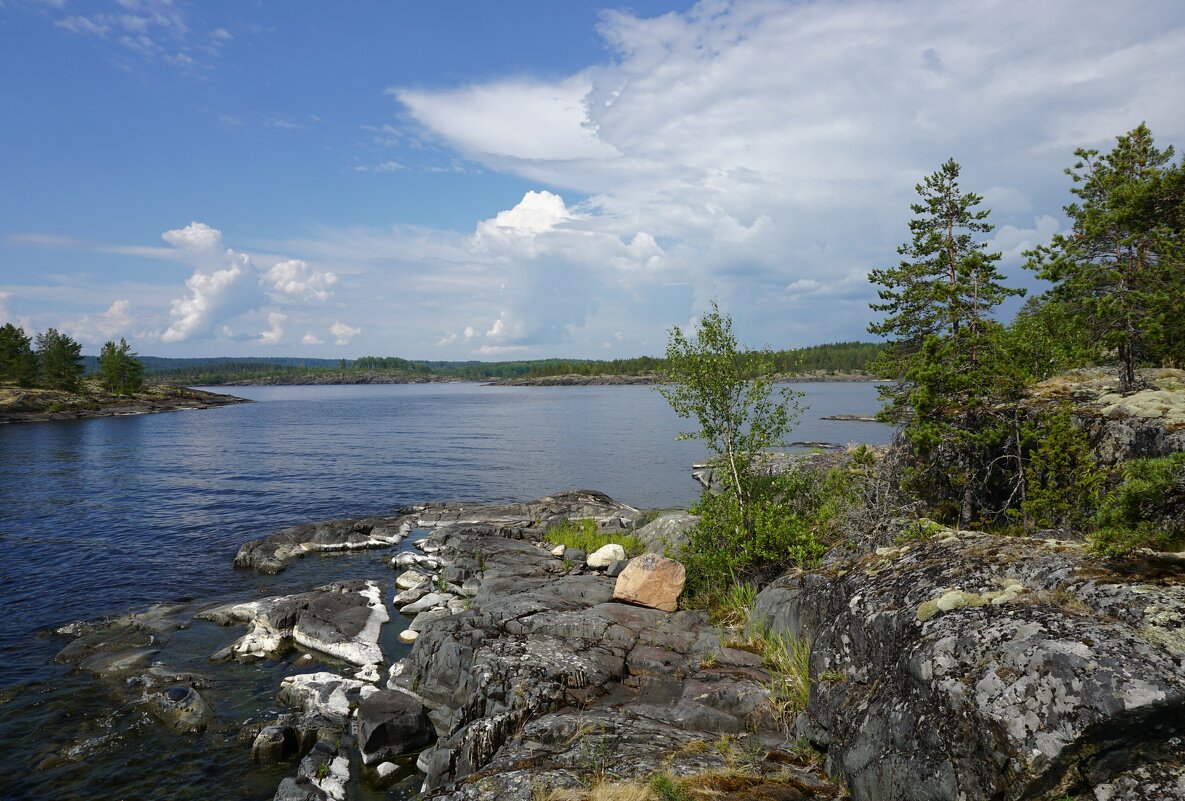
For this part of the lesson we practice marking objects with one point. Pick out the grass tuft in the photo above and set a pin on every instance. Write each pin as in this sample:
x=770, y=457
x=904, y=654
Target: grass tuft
x=585, y=535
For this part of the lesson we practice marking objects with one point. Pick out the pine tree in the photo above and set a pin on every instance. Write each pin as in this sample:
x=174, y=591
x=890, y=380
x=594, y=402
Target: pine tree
x=119, y=369
x=60, y=360
x=945, y=350
x=1114, y=269
x=17, y=361
x=945, y=288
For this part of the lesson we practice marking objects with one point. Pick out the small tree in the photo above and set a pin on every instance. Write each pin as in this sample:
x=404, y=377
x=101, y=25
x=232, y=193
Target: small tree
x=945, y=350
x=119, y=369
x=727, y=392
x=1114, y=269
x=59, y=359
x=755, y=520
x=17, y=361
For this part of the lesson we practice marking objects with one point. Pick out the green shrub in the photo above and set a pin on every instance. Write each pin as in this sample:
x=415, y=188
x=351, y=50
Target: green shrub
x=667, y=789
x=1063, y=483
x=585, y=535
x=1146, y=510
x=791, y=519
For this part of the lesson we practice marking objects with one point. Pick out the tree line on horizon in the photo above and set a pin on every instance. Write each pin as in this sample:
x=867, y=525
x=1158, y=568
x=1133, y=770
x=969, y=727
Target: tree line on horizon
x=839, y=357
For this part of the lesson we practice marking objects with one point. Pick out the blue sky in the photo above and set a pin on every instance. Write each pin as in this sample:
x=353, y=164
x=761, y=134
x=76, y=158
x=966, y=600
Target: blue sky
x=528, y=179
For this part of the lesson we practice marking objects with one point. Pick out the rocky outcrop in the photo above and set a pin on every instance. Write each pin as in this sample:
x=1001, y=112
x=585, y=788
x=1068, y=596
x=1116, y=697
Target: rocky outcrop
x=272, y=554
x=538, y=515
x=667, y=534
x=544, y=675
x=1145, y=423
x=22, y=405
x=342, y=620
x=391, y=723
x=985, y=667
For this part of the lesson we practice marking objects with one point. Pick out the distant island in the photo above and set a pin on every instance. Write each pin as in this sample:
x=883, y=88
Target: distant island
x=830, y=362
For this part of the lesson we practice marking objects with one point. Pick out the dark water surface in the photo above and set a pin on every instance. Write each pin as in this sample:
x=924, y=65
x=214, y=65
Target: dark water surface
x=99, y=517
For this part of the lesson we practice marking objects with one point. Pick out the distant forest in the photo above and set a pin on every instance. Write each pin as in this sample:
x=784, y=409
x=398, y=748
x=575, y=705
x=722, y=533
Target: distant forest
x=839, y=357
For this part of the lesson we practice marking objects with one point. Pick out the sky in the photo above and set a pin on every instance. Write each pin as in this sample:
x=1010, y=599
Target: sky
x=529, y=178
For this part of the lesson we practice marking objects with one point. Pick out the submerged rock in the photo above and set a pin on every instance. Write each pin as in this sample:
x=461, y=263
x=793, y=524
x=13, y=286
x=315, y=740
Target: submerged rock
x=181, y=707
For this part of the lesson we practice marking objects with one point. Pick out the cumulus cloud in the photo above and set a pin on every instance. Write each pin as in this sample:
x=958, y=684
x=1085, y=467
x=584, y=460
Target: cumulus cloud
x=311, y=339
x=519, y=119
x=227, y=283
x=275, y=331
x=294, y=278
x=95, y=329
x=194, y=238
x=342, y=333
x=212, y=298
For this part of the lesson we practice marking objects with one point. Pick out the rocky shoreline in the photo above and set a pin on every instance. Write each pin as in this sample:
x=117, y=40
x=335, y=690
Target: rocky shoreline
x=19, y=405
x=951, y=665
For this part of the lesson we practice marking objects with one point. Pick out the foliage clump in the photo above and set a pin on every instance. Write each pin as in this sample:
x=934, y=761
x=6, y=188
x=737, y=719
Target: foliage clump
x=119, y=369
x=1146, y=510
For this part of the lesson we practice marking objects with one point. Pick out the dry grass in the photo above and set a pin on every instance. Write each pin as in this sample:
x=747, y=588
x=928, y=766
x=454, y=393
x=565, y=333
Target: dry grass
x=606, y=791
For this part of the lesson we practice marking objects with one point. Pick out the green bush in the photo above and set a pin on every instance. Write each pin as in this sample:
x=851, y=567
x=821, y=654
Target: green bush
x=1063, y=483
x=1146, y=510
x=791, y=519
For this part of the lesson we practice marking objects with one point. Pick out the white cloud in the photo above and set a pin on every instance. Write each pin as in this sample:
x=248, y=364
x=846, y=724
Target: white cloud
x=384, y=166
x=342, y=333
x=519, y=119
x=311, y=339
x=275, y=331
x=295, y=279
x=213, y=298
x=95, y=329
x=765, y=154
x=196, y=238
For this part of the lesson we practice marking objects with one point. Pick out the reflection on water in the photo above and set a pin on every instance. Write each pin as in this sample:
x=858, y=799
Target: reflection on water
x=101, y=516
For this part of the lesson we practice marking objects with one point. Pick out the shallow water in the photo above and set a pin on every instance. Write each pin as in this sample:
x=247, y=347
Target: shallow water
x=99, y=517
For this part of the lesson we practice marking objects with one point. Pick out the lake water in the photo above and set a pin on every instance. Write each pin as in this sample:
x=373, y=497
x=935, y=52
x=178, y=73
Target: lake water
x=102, y=516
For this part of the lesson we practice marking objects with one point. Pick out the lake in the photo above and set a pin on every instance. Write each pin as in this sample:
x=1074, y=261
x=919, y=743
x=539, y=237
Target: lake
x=98, y=517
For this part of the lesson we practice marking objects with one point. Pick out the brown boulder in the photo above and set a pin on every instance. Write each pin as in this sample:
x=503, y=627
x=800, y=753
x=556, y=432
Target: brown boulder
x=651, y=580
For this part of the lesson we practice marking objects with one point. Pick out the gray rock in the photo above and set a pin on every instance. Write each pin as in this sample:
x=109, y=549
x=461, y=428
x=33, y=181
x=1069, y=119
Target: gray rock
x=432, y=599
x=667, y=534
x=274, y=744
x=272, y=554
x=342, y=620
x=392, y=723
x=1013, y=665
x=536, y=641
x=615, y=567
